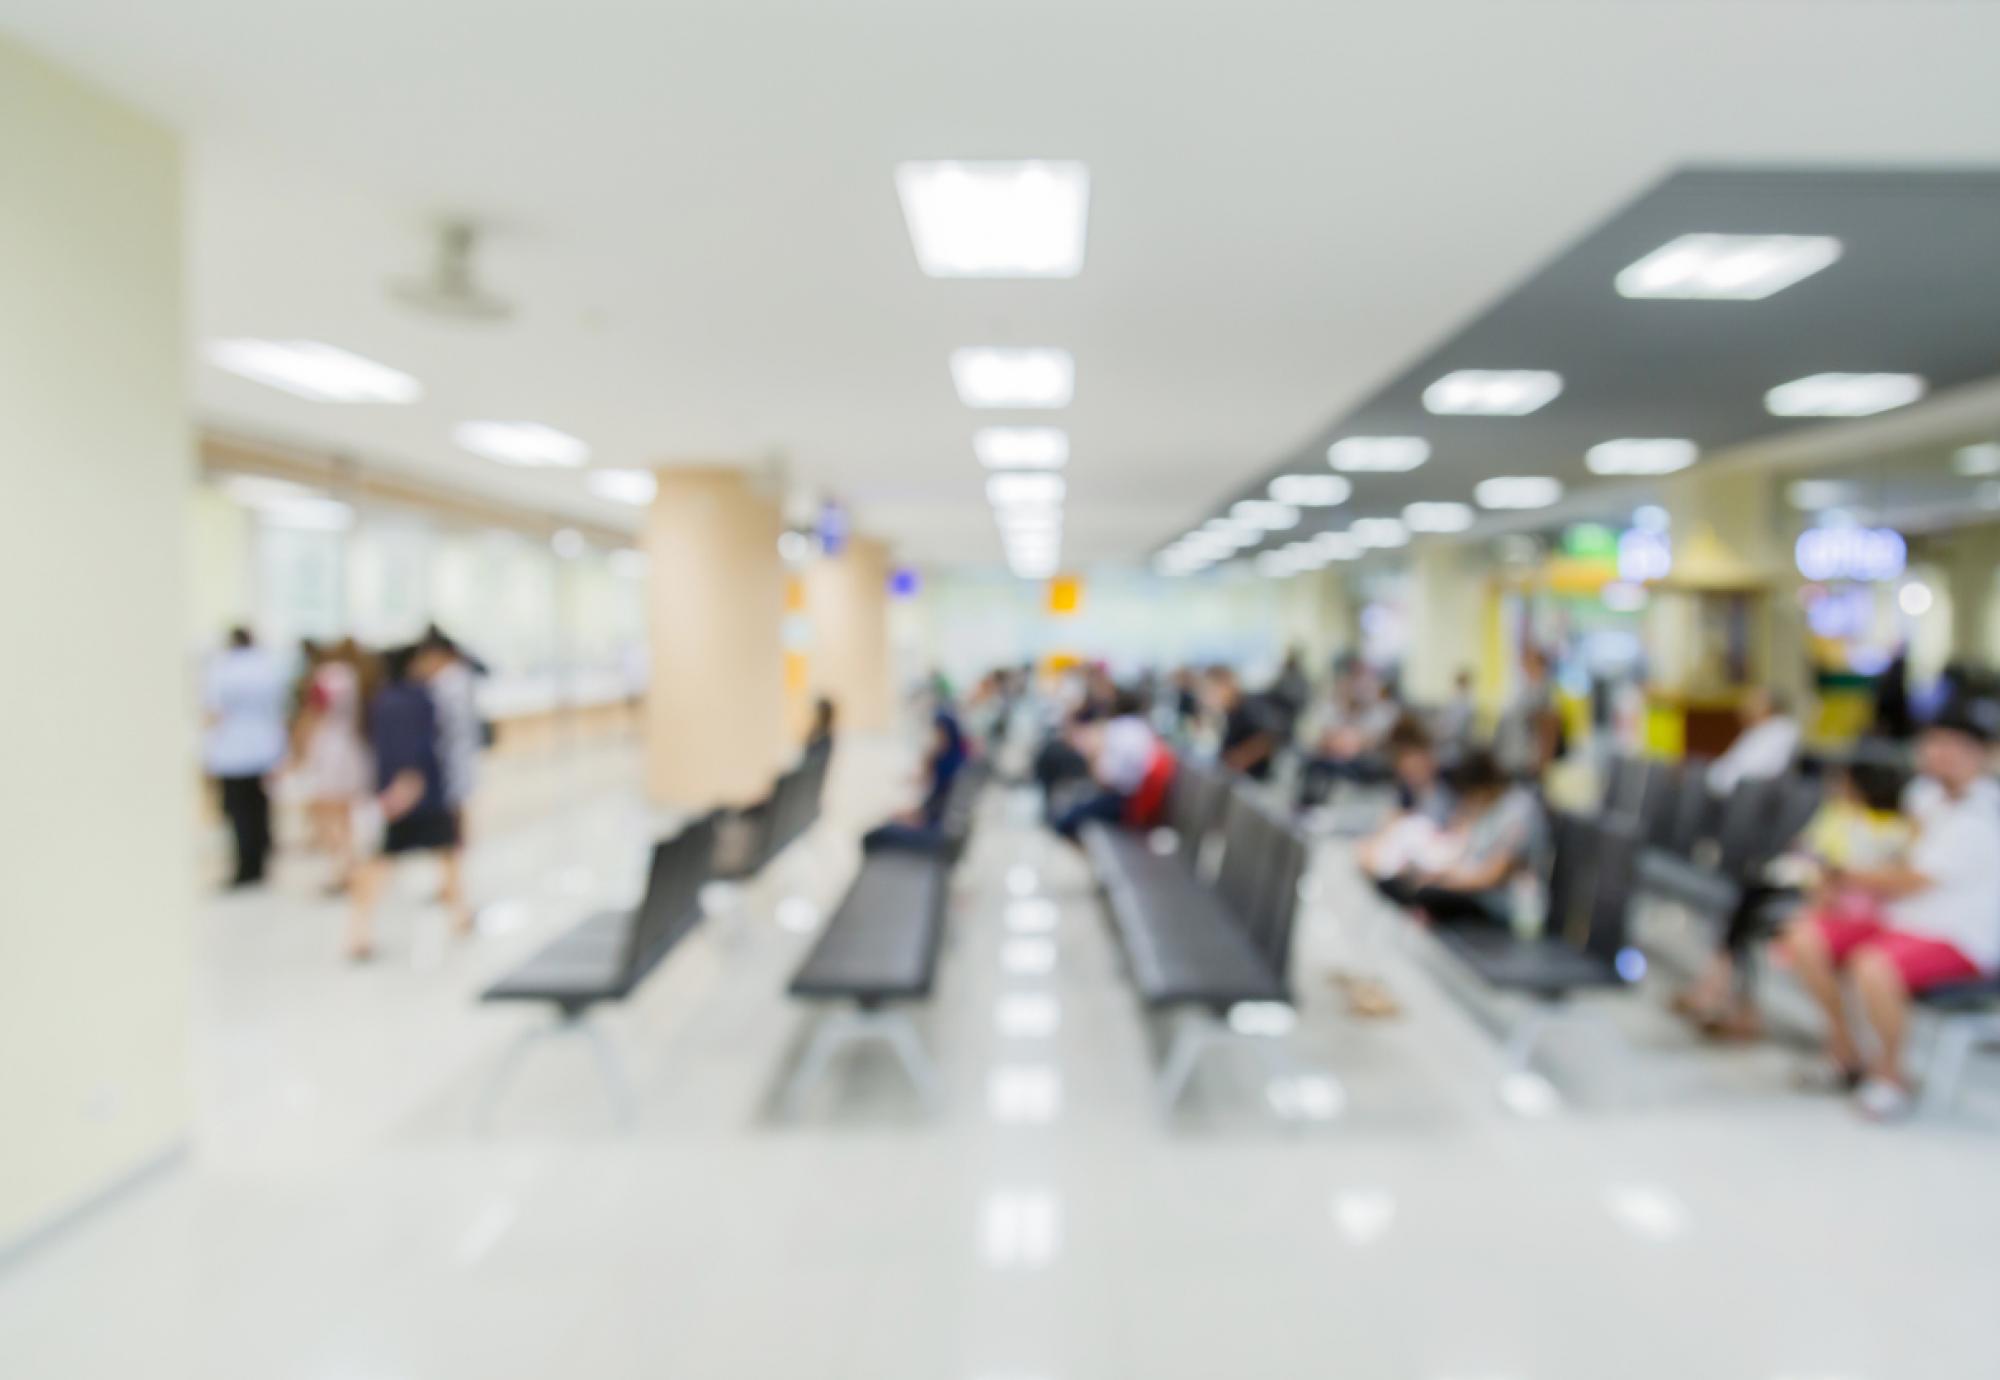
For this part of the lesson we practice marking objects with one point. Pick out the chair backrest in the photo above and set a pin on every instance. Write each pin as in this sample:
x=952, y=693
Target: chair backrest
x=1619, y=785
x=961, y=804
x=1747, y=819
x=672, y=904
x=1662, y=805
x=1194, y=807
x=1694, y=810
x=1591, y=883
x=1263, y=862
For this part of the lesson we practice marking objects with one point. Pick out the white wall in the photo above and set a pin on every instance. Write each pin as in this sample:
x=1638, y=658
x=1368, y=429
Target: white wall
x=96, y=812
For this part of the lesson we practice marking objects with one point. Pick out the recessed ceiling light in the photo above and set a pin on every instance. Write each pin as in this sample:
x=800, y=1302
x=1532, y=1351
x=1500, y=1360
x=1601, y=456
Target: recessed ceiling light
x=1979, y=460
x=1438, y=517
x=1021, y=447
x=320, y=373
x=1007, y=376
x=1378, y=533
x=636, y=487
x=1276, y=565
x=1843, y=395
x=1378, y=454
x=1265, y=514
x=1492, y=392
x=1024, y=490
x=1517, y=491
x=1337, y=546
x=1310, y=490
x=1631, y=455
x=1742, y=268
x=996, y=220
x=521, y=443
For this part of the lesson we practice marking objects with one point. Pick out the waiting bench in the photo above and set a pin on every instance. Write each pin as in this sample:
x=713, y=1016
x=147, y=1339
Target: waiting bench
x=879, y=950
x=606, y=957
x=750, y=838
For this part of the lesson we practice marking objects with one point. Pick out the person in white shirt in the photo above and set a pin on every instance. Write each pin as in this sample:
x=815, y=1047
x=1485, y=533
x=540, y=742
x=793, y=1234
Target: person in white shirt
x=1765, y=748
x=1925, y=921
x=243, y=700
x=1120, y=757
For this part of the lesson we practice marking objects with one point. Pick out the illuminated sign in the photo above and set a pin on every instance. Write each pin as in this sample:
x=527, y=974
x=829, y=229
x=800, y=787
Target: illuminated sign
x=1865, y=554
x=903, y=582
x=1644, y=555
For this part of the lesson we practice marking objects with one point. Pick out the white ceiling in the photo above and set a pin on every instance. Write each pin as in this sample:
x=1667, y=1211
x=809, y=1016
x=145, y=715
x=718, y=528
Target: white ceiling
x=697, y=214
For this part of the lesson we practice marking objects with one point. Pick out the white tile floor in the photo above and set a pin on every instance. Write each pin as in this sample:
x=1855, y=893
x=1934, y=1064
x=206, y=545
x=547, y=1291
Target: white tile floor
x=1679, y=1215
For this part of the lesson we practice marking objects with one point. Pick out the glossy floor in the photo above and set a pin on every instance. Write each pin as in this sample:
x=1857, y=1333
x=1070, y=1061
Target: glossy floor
x=1675, y=1213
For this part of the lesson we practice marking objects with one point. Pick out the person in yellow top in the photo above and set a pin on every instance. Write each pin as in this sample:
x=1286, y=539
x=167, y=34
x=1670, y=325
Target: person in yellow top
x=1860, y=827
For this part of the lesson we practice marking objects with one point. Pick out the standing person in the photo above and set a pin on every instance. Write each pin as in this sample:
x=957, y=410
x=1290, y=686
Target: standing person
x=333, y=755
x=1926, y=920
x=450, y=676
x=1529, y=735
x=410, y=788
x=1457, y=717
x=243, y=701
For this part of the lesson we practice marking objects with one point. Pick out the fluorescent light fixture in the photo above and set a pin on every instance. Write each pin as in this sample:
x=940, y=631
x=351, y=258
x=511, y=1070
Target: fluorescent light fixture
x=320, y=373
x=1378, y=533
x=1265, y=514
x=285, y=504
x=1021, y=447
x=1738, y=268
x=1843, y=395
x=1276, y=565
x=1007, y=376
x=1337, y=546
x=1311, y=490
x=1438, y=517
x=1517, y=491
x=636, y=487
x=521, y=443
x=1027, y=490
x=1977, y=461
x=996, y=220
x=1231, y=532
x=1378, y=454
x=1632, y=455
x=1492, y=392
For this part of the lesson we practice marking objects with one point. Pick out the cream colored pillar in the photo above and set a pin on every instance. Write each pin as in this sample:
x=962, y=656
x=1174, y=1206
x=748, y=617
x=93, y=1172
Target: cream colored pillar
x=716, y=589
x=847, y=603
x=1447, y=597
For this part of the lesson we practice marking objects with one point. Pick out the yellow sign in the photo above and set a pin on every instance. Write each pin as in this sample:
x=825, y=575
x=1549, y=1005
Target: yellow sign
x=1065, y=594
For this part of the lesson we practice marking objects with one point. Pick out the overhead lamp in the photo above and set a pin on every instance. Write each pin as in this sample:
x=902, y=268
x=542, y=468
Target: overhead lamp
x=1276, y=565
x=314, y=371
x=1337, y=546
x=1009, y=376
x=1024, y=489
x=1378, y=454
x=1977, y=461
x=1378, y=533
x=521, y=443
x=996, y=220
x=1310, y=490
x=636, y=487
x=1741, y=268
x=1631, y=455
x=1492, y=392
x=1843, y=395
x=1437, y=517
x=1021, y=447
x=282, y=503
x=1265, y=514
x=1517, y=491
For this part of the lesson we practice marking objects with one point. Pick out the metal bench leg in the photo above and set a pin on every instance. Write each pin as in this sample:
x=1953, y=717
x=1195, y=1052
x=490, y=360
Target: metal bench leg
x=900, y=1035
x=504, y=1073
x=617, y=1087
x=828, y=1036
x=1193, y=1037
x=1525, y=1039
x=842, y=1028
x=1956, y=1038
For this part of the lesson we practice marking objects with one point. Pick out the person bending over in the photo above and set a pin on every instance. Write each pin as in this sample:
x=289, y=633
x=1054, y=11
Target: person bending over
x=1120, y=754
x=1465, y=877
x=1928, y=920
x=923, y=827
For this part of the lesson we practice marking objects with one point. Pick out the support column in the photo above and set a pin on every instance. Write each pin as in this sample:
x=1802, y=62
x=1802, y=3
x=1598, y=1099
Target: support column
x=1447, y=597
x=847, y=600
x=715, y=599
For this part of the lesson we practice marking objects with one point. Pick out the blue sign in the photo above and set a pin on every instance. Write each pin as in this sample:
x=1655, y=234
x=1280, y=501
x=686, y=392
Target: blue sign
x=1864, y=554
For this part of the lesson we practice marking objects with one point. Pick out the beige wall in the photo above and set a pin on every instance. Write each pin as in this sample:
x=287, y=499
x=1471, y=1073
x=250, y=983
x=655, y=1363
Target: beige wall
x=847, y=602
x=1446, y=613
x=715, y=711
x=96, y=724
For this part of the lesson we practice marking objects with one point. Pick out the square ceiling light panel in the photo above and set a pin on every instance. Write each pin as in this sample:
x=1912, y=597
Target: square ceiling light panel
x=1637, y=455
x=1843, y=395
x=1310, y=490
x=1378, y=454
x=996, y=220
x=1265, y=515
x=528, y=444
x=1021, y=447
x=319, y=373
x=1337, y=546
x=1017, y=377
x=1492, y=392
x=1733, y=268
x=1517, y=491
x=1011, y=490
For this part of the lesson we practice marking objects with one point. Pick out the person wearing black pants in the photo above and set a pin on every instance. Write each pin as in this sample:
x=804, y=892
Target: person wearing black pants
x=243, y=703
x=248, y=807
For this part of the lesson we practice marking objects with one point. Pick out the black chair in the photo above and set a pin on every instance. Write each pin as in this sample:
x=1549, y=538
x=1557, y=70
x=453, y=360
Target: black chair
x=750, y=838
x=878, y=952
x=606, y=957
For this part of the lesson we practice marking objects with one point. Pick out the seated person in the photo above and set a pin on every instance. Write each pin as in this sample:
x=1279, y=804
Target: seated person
x=1764, y=749
x=1250, y=735
x=1120, y=754
x=1861, y=827
x=1417, y=829
x=1464, y=878
x=1351, y=743
x=923, y=827
x=1927, y=920
x=1457, y=719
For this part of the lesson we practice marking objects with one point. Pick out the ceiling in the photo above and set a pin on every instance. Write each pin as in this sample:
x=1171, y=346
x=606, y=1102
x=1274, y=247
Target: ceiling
x=693, y=207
